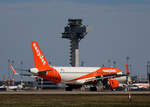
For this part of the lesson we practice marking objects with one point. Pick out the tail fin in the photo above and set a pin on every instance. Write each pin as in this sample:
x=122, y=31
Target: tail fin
x=39, y=59
x=12, y=68
x=127, y=69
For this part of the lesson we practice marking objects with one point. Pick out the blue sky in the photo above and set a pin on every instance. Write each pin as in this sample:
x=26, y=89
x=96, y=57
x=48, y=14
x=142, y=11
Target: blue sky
x=119, y=28
x=114, y=2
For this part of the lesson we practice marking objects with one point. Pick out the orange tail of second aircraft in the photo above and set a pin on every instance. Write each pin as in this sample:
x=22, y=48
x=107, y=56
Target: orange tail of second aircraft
x=127, y=69
x=13, y=69
x=39, y=58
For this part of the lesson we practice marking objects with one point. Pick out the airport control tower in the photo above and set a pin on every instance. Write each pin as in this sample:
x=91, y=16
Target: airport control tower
x=74, y=32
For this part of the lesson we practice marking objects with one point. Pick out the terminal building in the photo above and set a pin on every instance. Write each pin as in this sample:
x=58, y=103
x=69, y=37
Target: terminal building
x=45, y=84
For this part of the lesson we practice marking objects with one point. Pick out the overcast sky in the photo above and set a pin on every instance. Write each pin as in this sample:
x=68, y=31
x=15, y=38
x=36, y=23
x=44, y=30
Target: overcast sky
x=118, y=28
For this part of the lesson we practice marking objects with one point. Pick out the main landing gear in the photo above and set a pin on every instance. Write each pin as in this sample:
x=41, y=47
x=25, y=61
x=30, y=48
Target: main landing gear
x=71, y=87
x=93, y=87
x=68, y=89
x=96, y=86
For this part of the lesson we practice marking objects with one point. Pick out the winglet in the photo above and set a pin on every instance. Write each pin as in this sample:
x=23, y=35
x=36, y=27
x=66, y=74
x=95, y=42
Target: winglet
x=12, y=68
x=127, y=69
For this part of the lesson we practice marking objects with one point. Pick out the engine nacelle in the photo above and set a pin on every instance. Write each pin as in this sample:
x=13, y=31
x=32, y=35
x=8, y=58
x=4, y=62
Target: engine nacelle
x=113, y=84
x=34, y=70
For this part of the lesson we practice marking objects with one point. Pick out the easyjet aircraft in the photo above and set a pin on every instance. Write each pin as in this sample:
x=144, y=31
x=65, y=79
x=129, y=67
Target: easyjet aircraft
x=92, y=78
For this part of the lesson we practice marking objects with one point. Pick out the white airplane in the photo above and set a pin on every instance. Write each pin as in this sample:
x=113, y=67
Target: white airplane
x=140, y=86
x=15, y=87
x=91, y=78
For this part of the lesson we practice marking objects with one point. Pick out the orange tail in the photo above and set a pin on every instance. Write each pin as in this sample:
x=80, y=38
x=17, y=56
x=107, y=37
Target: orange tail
x=39, y=59
x=12, y=68
x=127, y=69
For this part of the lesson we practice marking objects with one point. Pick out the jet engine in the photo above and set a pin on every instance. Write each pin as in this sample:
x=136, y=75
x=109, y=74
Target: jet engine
x=113, y=84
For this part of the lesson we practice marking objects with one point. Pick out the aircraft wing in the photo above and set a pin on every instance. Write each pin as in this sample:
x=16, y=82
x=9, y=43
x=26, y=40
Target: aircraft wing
x=104, y=77
x=109, y=76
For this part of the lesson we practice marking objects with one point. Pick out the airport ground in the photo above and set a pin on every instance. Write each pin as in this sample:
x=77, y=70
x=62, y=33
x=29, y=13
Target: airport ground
x=73, y=99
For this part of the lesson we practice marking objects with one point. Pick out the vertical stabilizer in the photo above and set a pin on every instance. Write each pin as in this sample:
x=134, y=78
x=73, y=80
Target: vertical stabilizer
x=39, y=58
x=127, y=69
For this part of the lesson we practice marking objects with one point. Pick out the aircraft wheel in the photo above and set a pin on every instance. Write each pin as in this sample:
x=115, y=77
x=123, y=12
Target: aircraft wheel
x=99, y=86
x=93, y=89
x=68, y=89
x=83, y=88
